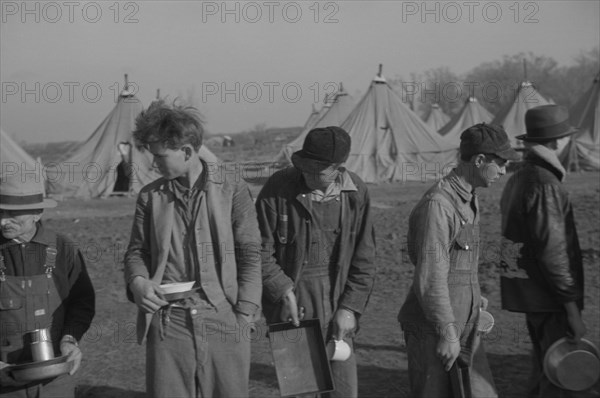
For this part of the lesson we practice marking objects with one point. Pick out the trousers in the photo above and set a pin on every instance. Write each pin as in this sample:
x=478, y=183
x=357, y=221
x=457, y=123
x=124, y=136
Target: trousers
x=201, y=351
x=544, y=329
x=428, y=377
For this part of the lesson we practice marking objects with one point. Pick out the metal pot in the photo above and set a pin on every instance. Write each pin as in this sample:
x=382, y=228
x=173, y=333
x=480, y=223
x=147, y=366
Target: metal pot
x=572, y=366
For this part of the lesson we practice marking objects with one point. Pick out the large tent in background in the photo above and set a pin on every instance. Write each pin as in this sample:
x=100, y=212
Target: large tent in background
x=91, y=169
x=471, y=113
x=512, y=117
x=583, y=149
x=14, y=159
x=336, y=109
x=312, y=119
x=392, y=143
x=108, y=161
x=437, y=118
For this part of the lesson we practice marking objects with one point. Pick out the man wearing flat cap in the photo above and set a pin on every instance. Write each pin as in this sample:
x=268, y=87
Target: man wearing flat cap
x=441, y=311
x=43, y=284
x=318, y=245
x=541, y=263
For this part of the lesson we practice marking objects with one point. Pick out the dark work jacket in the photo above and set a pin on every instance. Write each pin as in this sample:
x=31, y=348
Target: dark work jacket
x=541, y=263
x=285, y=225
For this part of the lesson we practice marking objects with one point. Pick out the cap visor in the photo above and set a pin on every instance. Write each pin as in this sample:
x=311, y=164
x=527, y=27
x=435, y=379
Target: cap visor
x=308, y=165
x=509, y=154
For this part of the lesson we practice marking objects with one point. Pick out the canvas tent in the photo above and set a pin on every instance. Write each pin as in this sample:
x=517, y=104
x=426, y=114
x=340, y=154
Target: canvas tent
x=437, y=118
x=512, y=117
x=109, y=158
x=335, y=110
x=583, y=149
x=14, y=159
x=312, y=118
x=471, y=113
x=392, y=143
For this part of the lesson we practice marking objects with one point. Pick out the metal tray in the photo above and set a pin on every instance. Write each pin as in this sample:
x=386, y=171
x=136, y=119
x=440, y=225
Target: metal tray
x=33, y=371
x=300, y=358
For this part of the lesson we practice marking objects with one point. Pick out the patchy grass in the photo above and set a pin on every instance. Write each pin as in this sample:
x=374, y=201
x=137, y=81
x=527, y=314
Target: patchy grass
x=113, y=363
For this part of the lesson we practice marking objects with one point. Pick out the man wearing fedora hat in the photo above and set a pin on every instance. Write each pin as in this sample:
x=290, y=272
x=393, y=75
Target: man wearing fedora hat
x=43, y=284
x=318, y=244
x=441, y=311
x=541, y=262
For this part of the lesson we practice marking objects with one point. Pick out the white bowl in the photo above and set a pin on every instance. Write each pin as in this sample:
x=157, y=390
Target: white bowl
x=177, y=287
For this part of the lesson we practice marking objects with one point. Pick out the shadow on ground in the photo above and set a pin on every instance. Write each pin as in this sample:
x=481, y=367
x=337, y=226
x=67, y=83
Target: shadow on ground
x=106, y=392
x=375, y=381
x=511, y=373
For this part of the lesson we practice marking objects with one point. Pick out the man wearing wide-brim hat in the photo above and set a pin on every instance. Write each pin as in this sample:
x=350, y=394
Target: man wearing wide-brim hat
x=318, y=246
x=542, y=271
x=43, y=284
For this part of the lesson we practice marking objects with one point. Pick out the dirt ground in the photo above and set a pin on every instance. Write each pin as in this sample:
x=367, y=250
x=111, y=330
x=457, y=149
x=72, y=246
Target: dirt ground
x=113, y=364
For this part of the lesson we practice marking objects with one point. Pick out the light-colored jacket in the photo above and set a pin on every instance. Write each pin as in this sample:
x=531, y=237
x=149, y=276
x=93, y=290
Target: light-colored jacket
x=234, y=230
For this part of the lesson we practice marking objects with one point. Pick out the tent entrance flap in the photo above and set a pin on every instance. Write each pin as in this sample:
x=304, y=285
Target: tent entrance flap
x=123, y=170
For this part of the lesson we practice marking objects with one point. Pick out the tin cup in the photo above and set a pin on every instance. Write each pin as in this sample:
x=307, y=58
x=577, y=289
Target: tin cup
x=338, y=350
x=485, y=322
x=40, y=344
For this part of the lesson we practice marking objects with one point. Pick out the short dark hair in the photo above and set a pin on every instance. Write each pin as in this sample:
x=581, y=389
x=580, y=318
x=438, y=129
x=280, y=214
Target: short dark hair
x=174, y=125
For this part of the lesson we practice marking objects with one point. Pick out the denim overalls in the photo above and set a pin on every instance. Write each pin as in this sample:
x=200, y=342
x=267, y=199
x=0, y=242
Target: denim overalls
x=427, y=375
x=27, y=303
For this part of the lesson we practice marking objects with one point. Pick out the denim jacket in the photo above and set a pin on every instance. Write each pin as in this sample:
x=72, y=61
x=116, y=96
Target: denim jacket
x=285, y=224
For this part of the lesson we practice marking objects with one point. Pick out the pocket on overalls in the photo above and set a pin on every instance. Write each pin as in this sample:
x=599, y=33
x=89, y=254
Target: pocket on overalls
x=11, y=326
x=467, y=248
x=11, y=303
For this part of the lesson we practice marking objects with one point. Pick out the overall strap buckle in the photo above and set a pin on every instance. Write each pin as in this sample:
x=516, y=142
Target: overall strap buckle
x=2, y=269
x=50, y=264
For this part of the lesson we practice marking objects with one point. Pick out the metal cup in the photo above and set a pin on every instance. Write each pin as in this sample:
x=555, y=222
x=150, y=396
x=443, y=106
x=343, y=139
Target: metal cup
x=40, y=344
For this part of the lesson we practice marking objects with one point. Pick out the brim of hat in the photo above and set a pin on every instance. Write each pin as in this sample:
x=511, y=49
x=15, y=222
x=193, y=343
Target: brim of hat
x=525, y=137
x=46, y=204
x=307, y=164
x=509, y=154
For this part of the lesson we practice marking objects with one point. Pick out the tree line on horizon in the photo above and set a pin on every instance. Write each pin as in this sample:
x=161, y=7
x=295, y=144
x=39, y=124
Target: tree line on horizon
x=495, y=83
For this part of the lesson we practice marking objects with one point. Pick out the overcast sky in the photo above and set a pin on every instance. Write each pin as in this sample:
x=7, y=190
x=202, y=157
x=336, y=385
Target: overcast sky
x=246, y=63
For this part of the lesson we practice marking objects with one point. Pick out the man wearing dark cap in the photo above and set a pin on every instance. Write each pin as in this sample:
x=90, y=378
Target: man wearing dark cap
x=542, y=271
x=440, y=314
x=43, y=285
x=318, y=245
